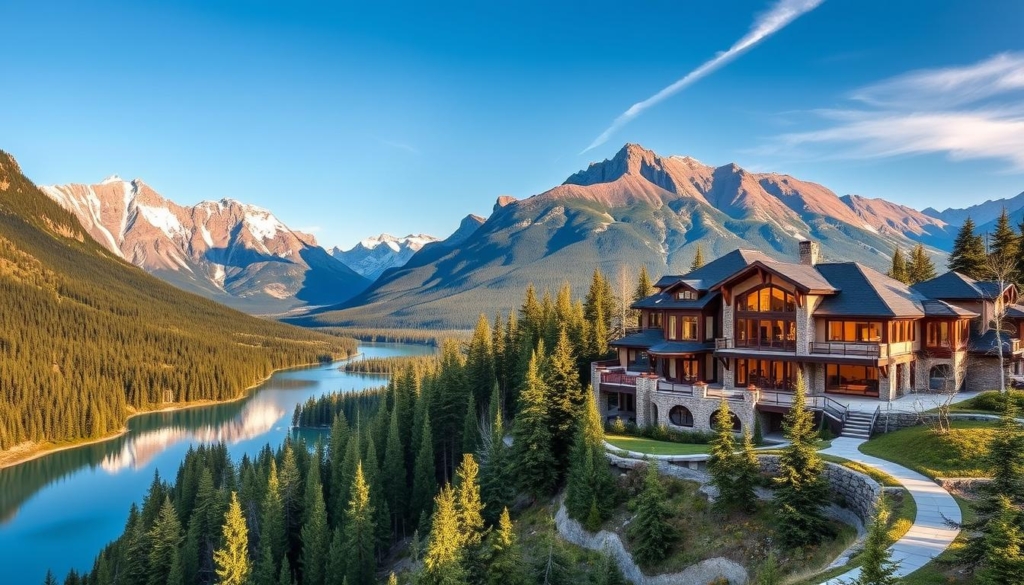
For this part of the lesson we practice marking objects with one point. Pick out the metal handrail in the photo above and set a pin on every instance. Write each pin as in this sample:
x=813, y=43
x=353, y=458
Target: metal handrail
x=666, y=386
x=618, y=378
x=874, y=417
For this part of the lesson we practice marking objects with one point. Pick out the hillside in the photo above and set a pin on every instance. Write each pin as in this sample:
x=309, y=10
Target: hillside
x=86, y=339
x=636, y=208
x=237, y=254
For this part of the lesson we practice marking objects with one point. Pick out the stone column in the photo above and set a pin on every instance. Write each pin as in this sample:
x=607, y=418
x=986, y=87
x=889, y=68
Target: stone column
x=646, y=386
x=905, y=378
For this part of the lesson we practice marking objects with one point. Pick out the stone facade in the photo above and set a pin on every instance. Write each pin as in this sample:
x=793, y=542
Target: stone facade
x=983, y=374
x=660, y=404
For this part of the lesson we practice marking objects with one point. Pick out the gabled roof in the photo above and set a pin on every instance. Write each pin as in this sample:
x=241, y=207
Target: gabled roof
x=867, y=292
x=644, y=339
x=956, y=286
x=937, y=308
x=667, y=300
x=803, y=276
x=719, y=269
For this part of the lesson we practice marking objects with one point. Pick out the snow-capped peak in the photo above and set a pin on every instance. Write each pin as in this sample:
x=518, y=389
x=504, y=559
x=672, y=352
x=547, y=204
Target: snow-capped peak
x=112, y=179
x=413, y=241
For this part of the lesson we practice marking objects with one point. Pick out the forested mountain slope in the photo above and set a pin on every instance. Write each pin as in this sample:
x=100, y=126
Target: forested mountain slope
x=86, y=339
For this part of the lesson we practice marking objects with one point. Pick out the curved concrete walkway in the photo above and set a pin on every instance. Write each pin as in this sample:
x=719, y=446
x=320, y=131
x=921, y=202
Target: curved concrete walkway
x=930, y=534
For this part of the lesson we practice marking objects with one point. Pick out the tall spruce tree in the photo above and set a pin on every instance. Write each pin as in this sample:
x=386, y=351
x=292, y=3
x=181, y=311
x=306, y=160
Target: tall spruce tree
x=471, y=427
x=1006, y=461
x=565, y=400
x=360, y=533
x=272, y=525
x=590, y=486
x=734, y=474
x=801, y=490
x=877, y=567
x=506, y=559
x=497, y=485
x=920, y=267
x=468, y=500
x=650, y=532
x=531, y=447
x=232, y=560
x=898, y=270
x=480, y=361
x=394, y=476
x=315, y=535
x=1005, y=244
x=1003, y=563
x=968, y=254
x=165, y=538
x=443, y=562
x=424, y=483
x=698, y=258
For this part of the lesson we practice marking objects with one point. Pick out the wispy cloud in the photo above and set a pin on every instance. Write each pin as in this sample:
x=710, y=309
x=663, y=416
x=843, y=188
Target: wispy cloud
x=970, y=112
x=399, y=145
x=775, y=19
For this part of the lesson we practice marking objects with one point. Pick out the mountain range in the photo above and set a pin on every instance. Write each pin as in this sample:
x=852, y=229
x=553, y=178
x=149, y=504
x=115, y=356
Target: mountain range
x=373, y=255
x=637, y=207
x=640, y=208
x=237, y=254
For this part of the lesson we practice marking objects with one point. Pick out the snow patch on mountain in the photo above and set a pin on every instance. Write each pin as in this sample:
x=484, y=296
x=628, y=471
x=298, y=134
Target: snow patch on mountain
x=373, y=255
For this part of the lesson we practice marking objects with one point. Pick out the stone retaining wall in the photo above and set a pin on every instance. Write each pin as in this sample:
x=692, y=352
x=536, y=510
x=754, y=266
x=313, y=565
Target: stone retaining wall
x=851, y=489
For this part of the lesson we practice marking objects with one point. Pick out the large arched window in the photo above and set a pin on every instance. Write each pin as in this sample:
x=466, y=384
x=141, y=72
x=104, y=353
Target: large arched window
x=736, y=425
x=768, y=299
x=680, y=416
x=766, y=319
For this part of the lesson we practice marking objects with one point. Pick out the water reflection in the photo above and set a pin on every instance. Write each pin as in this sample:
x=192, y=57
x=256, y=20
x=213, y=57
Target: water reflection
x=59, y=510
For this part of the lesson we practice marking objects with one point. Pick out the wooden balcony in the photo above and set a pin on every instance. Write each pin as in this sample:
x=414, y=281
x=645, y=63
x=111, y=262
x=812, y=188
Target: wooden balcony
x=618, y=379
x=861, y=349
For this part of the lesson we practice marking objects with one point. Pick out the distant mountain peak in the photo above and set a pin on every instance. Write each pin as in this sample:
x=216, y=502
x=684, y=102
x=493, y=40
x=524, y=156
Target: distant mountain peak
x=503, y=201
x=375, y=254
x=112, y=179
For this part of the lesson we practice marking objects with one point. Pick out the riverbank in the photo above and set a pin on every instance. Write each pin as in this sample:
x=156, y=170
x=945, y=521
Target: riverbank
x=28, y=451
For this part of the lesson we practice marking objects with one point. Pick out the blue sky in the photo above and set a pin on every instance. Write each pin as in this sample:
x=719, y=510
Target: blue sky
x=359, y=118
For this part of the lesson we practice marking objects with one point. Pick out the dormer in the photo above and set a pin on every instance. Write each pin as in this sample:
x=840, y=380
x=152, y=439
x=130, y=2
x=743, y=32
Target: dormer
x=683, y=291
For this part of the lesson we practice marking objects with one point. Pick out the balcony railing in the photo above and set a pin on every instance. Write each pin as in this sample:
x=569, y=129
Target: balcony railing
x=675, y=387
x=618, y=379
x=765, y=345
x=862, y=348
x=829, y=406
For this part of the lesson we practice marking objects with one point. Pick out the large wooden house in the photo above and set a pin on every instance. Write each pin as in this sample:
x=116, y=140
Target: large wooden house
x=743, y=325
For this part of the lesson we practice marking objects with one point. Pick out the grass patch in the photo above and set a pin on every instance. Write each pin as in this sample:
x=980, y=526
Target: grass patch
x=959, y=453
x=881, y=477
x=652, y=447
x=988, y=402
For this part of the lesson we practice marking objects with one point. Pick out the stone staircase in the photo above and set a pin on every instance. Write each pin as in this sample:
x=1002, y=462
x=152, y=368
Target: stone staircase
x=858, y=425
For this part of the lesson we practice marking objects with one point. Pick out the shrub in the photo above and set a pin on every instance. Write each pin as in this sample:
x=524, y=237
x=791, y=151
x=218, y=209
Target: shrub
x=618, y=426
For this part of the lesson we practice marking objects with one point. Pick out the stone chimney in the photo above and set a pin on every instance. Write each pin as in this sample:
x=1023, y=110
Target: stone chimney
x=809, y=252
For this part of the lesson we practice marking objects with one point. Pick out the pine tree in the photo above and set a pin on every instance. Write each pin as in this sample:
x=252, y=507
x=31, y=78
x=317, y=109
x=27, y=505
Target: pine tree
x=336, y=559
x=285, y=576
x=314, y=533
x=1006, y=461
x=1005, y=243
x=50, y=579
x=233, y=559
x=801, y=489
x=748, y=475
x=496, y=482
x=480, y=361
x=722, y=459
x=424, y=484
x=1004, y=546
x=394, y=475
x=506, y=562
x=650, y=533
x=164, y=538
x=644, y=288
x=565, y=400
x=531, y=446
x=272, y=526
x=336, y=454
x=968, y=255
x=265, y=572
x=471, y=428
x=291, y=495
x=698, y=259
x=920, y=268
x=360, y=534
x=590, y=487
x=470, y=505
x=877, y=567
x=443, y=563
x=899, y=271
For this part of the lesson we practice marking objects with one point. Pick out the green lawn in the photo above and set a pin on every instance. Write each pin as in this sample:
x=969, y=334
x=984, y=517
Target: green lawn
x=652, y=447
x=987, y=402
x=958, y=453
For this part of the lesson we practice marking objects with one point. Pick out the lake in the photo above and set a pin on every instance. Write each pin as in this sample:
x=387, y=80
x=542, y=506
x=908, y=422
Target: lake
x=60, y=510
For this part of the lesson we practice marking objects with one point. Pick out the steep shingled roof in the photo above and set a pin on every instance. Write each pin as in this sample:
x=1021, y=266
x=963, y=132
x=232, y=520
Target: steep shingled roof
x=867, y=292
x=953, y=285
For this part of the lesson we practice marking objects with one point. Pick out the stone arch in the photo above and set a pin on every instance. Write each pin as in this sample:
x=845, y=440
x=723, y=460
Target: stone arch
x=737, y=426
